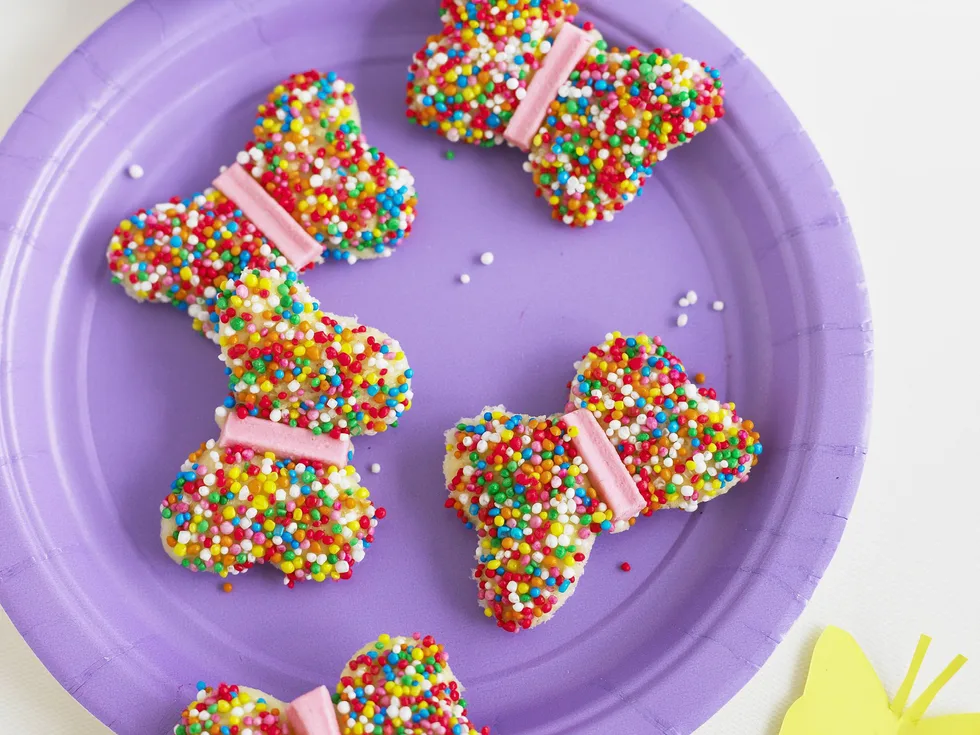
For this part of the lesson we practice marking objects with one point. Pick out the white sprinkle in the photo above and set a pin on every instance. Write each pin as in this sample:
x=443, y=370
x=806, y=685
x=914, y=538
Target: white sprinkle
x=465, y=278
x=681, y=320
x=692, y=298
x=135, y=171
x=718, y=306
x=375, y=468
x=683, y=303
x=486, y=258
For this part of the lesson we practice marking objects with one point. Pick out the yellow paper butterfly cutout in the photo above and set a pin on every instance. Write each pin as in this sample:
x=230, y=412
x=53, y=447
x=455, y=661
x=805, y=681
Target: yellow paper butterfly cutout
x=844, y=696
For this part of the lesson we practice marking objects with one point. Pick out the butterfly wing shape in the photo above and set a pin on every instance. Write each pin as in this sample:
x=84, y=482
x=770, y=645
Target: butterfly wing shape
x=290, y=362
x=516, y=481
x=230, y=509
x=309, y=154
x=681, y=444
x=617, y=116
x=843, y=694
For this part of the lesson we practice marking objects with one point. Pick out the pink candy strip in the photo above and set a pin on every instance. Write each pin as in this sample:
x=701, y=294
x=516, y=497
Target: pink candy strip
x=284, y=441
x=283, y=232
x=569, y=48
x=312, y=714
x=607, y=473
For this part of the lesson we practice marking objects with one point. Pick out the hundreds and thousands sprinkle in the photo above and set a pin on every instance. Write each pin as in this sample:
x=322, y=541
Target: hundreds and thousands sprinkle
x=232, y=508
x=404, y=686
x=681, y=444
x=518, y=481
x=619, y=113
x=311, y=158
x=229, y=708
x=310, y=154
x=520, y=484
x=468, y=81
x=394, y=686
x=292, y=363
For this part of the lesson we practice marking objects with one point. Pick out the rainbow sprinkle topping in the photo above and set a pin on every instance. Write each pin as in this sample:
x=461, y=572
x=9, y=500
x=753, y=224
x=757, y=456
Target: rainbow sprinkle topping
x=309, y=153
x=289, y=362
x=468, y=81
x=520, y=484
x=232, y=508
x=405, y=686
x=232, y=709
x=311, y=158
x=183, y=252
x=683, y=446
x=617, y=116
x=394, y=686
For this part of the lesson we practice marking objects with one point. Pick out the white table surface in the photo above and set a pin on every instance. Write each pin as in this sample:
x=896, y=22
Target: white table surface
x=872, y=81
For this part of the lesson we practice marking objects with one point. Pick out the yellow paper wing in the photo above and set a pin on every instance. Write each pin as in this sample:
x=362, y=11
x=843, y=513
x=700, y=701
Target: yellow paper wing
x=843, y=694
x=952, y=725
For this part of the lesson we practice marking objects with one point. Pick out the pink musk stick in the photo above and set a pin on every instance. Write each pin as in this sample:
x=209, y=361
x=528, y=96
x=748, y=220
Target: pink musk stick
x=607, y=473
x=312, y=714
x=284, y=233
x=284, y=441
x=569, y=48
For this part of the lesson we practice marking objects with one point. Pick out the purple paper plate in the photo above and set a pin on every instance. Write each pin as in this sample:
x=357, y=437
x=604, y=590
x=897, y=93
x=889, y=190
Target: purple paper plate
x=102, y=399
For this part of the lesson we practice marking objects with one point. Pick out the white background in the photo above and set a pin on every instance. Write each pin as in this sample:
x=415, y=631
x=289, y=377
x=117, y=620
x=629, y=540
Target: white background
x=887, y=90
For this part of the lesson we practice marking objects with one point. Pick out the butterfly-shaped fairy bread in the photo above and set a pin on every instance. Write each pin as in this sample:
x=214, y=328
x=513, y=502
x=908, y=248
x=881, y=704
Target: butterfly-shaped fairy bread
x=277, y=487
x=396, y=685
x=306, y=188
x=637, y=435
x=594, y=119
